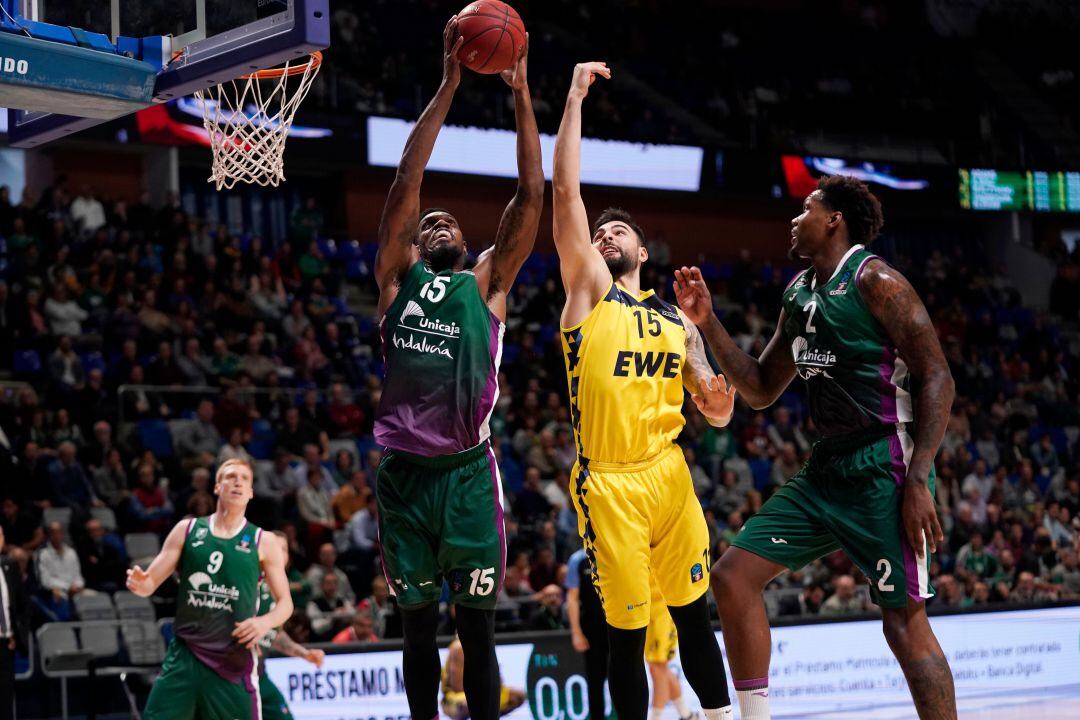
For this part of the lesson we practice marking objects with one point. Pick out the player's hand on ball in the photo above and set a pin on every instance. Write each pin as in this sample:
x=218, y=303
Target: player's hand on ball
x=138, y=582
x=580, y=642
x=516, y=76
x=717, y=400
x=452, y=42
x=585, y=75
x=249, y=632
x=315, y=657
x=693, y=294
x=920, y=517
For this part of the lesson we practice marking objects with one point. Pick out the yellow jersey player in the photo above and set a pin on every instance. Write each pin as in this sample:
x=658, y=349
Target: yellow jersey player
x=660, y=643
x=454, y=703
x=628, y=356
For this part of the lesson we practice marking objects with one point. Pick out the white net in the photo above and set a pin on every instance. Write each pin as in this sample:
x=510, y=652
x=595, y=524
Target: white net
x=248, y=120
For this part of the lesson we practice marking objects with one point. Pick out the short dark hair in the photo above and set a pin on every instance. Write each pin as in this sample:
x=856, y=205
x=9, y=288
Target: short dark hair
x=428, y=211
x=613, y=214
x=852, y=198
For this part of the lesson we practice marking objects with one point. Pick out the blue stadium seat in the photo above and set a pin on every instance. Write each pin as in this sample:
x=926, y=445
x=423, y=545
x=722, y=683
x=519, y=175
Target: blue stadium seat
x=27, y=362
x=263, y=440
x=93, y=361
x=355, y=268
x=154, y=435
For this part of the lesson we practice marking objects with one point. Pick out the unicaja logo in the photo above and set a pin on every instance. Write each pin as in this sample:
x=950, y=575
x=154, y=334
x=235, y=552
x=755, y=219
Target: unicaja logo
x=412, y=309
x=13, y=65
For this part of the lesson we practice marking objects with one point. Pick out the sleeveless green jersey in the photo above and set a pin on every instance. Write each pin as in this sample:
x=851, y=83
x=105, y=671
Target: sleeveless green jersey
x=855, y=376
x=219, y=580
x=441, y=347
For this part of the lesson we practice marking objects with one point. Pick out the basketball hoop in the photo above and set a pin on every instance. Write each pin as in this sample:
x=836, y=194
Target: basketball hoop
x=248, y=120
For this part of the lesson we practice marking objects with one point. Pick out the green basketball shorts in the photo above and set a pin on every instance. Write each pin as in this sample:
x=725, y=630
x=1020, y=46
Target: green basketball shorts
x=274, y=706
x=442, y=518
x=848, y=496
x=188, y=688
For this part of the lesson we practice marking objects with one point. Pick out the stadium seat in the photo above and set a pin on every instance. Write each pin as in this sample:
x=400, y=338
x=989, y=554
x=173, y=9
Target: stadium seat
x=27, y=362
x=179, y=428
x=143, y=642
x=263, y=440
x=93, y=361
x=94, y=607
x=59, y=649
x=141, y=547
x=100, y=640
x=154, y=436
x=61, y=515
x=130, y=606
x=105, y=516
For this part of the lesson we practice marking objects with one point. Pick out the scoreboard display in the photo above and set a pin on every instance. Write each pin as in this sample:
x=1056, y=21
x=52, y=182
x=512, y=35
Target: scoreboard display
x=1040, y=190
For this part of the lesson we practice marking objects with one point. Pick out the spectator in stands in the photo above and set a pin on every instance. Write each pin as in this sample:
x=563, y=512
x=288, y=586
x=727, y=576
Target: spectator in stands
x=351, y=498
x=543, y=570
x=1056, y=523
x=94, y=403
x=234, y=448
x=1066, y=574
x=64, y=431
x=312, y=462
x=59, y=573
x=379, y=604
x=70, y=485
x=980, y=596
x=193, y=364
x=329, y=610
x=980, y=479
x=702, y=482
x=95, y=454
x=199, y=441
x=549, y=615
x=295, y=434
x=313, y=504
x=973, y=560
x=783, y=431
x=64, y=314
x=21, y=528
x=102, y=558
x=360, y=630
x=808, y=602
x=1028, y=590
x=844, y=601
x=949, y=592
x=346, y=417
x=110, y=480
x=785, y=465
x=531, y=506
x=66, y=367
x=327, y=564
x=87, y=212
x=278, y=482
x=151, y=509
x=164, y=369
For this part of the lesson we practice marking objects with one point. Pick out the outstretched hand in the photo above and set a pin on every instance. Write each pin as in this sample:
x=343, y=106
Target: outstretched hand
x=585, y=75
x=138, y=582
x=452, y=42
x=693, y=294
x=717, y=399
x=516, y=76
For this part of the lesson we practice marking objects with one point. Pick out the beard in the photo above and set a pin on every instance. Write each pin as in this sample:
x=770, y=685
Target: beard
x=444, y=257
x=621, y=265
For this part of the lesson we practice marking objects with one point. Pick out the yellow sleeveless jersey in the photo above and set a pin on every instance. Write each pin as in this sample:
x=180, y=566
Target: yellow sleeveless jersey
x=624, y=364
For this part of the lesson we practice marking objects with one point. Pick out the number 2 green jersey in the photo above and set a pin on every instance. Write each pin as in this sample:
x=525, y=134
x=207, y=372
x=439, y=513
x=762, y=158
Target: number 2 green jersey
x=855, y=376
x=219, y=580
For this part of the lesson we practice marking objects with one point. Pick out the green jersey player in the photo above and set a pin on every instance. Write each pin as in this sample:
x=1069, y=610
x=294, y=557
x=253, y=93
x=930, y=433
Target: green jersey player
x=880, y=394
x=210, y=667
x=440, y=500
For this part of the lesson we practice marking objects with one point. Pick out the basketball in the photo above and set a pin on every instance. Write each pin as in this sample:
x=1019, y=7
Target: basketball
x=493, y=35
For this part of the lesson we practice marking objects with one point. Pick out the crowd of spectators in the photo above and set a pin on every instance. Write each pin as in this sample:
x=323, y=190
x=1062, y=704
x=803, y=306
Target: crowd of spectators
x=729, y=81
x=166, y=346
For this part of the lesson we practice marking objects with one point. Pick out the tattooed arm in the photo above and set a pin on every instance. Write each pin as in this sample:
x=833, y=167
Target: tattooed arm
x=710, y=392
x=759, y=380
x=287, y=646
x=893, y=302
x=498, y=266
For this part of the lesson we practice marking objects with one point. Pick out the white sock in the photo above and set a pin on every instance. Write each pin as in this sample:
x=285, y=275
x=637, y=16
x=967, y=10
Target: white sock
x=754, y=704
x=655, y=713
x=680, y=706
x=724, y=713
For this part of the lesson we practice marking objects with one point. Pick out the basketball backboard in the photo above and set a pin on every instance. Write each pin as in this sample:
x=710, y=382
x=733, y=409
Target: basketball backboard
x=211, y=41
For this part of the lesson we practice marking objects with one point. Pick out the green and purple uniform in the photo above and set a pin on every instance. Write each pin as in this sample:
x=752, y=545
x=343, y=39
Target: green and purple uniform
x=274, y=705
x=848, y=495
x=438, y=487
x=206, y=672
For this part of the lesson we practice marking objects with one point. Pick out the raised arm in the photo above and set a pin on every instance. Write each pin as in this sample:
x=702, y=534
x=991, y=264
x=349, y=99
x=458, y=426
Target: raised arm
x=146, y=582
x=759, y=380
x=897, y=307
x=272, y=552
x=397, y=228
x=498, y=265
x=584, y=273
x=710, y=392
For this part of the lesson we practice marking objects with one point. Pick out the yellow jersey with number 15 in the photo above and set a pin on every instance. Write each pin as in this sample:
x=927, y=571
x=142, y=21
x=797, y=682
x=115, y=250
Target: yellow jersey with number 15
x=624, y=364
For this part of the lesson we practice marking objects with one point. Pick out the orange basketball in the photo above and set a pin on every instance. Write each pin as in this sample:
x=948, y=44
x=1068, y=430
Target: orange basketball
x=493, y=35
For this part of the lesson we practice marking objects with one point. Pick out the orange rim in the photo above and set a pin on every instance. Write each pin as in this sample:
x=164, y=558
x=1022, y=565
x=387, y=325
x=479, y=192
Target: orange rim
x=314, y=60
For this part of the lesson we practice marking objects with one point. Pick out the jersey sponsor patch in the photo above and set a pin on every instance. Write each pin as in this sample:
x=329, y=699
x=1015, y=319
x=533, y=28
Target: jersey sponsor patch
x=205, y=593
x=842, y=287
x=244, y=545
x=433, y=333
x=647, y=364
x=810, y=362
x=697, y=573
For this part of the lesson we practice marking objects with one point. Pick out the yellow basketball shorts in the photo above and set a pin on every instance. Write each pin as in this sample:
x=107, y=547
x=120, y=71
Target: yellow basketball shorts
x=638, y=522
x=660, y=636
